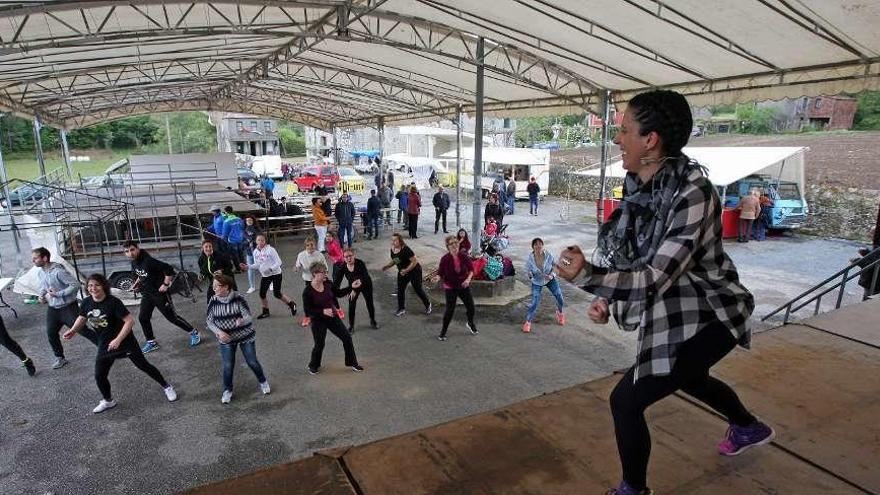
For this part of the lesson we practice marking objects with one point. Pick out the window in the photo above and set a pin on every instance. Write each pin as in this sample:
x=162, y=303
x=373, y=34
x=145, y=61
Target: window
x=239, y=125
x=253, y=126
x=323, y=141
x=818, y=103
x=267, y=126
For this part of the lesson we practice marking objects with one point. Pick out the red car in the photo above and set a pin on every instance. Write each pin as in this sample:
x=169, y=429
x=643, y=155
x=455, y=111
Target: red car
x=326, y=175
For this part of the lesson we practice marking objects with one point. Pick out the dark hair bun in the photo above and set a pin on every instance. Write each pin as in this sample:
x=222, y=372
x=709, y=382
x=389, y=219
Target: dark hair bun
x=668, y=114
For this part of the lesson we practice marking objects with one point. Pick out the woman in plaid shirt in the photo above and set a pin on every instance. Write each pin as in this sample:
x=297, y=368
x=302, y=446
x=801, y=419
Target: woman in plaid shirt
x=660, y=269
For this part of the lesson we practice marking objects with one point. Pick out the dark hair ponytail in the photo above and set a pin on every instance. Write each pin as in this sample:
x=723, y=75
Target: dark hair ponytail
x=668, y=114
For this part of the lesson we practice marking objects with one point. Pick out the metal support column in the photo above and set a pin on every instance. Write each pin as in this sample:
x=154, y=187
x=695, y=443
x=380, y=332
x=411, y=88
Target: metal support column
x=458, y=166
x=65, y=153
x=335, y=148
x=383, y=167
x=606, y=116
x=4, y=179
x=38, y=142
x=478, y=148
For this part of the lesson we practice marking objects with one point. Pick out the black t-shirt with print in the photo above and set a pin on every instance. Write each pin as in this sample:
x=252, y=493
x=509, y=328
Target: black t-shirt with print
x=105, y=318
x=403, y=258
x=151, y=272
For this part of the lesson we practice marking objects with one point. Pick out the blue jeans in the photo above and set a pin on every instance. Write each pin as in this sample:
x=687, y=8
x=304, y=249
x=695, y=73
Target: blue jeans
x=227, y=356
x=533, y=205
x=373, y=226
x=537, y=290
x=252, y=272
x=511, y=204
x=346, y=234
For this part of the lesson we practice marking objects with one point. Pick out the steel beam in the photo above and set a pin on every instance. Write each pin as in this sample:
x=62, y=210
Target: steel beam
x=478, y=150
x=606, y=116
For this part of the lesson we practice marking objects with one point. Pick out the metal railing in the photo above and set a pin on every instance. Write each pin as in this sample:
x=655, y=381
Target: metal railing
x=867, y=266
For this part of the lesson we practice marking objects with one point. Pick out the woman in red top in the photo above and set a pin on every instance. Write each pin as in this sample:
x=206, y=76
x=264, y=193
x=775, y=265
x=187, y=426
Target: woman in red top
x=464, y=243
x=334, y=249
x=412, y=210
x=456, y=272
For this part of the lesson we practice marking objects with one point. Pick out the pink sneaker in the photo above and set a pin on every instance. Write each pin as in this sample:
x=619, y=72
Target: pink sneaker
x=560, y=318
x=741, y=438
x=527, y=327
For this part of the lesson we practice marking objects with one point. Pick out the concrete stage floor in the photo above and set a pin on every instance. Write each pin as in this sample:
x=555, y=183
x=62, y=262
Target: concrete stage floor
x=813, y=382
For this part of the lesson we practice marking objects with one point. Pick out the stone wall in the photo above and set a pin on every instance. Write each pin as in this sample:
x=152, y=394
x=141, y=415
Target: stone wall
x=845, y=213
x=565, y=184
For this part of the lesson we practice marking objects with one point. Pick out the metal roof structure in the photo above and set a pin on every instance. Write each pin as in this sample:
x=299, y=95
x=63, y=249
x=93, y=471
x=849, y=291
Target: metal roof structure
x=338, y=63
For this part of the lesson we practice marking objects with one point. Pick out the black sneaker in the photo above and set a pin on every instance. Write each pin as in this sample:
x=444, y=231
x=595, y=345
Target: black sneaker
x=441, y=338
x=357, y=368
x=29, y=366
x=264, y=314
x=292, y=306
x=374, y=325
x=429, y=309
x=313, y=371
x=471, y=329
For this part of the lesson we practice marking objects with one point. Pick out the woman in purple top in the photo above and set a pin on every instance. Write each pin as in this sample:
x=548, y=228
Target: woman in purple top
x=456, y=273
x=321, y=307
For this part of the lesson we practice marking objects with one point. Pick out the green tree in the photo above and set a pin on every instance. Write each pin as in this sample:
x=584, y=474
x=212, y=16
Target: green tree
x=293, y=142
x=190, y=133
x=754, y=120
x=867, y=116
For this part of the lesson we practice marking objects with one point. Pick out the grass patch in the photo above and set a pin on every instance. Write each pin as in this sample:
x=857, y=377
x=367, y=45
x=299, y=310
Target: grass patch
x=24, y=165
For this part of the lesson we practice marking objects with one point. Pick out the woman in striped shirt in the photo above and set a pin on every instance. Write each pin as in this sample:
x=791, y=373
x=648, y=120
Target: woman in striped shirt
x=229, y=317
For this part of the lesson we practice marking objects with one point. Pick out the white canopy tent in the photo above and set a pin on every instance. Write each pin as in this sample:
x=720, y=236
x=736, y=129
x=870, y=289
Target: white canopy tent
x=506, y=156
x=727, y=165
x=344, y=63
x=337, y=63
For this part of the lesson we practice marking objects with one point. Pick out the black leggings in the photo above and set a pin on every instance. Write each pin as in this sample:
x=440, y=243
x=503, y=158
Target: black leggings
x=367, y=291
x=451, y=296
x=413, y=225
x=56, y=318
x=9, y=343
x=103, y=365
x=163, y=303
x=689, y=374
x=320, y=325
x=275, y=282
x=414, y=276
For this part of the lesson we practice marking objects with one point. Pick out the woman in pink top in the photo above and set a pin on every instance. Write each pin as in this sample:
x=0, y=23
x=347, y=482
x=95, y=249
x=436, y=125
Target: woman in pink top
x=334, y=249
x=456, y=272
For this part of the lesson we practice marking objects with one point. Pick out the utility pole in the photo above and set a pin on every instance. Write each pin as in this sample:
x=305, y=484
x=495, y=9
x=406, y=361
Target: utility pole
x=168, y=134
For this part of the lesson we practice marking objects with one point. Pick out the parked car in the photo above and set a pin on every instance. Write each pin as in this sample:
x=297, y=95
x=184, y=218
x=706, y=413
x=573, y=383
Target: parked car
x=326, y=175
x=351, y=181
x=25, y=194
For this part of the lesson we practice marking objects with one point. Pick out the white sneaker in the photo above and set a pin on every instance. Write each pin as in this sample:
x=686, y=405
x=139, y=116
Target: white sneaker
x=170, y=393
x=104, y=405
x=251, y=290
x=265, y=388
x=226, y=397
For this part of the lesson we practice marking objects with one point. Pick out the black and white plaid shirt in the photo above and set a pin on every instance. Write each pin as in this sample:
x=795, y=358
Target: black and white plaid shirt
x=688, y=284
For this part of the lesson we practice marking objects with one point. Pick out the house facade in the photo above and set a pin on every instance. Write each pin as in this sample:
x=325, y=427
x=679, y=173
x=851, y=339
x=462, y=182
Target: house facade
x=249, y=135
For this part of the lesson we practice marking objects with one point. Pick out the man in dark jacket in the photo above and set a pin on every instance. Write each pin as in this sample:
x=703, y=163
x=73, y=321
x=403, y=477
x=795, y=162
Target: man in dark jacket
x=212, y=263
x=533, y=189
x=374, y=209
x=345, y=218
x=511, y=195
x=441, y=204
x=154, y=278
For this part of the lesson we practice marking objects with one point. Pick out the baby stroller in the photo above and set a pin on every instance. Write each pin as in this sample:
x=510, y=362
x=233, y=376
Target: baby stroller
x=493, y=243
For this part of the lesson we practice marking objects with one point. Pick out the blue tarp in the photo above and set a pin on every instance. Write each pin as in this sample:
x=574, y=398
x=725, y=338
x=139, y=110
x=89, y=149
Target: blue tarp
x=366, y=153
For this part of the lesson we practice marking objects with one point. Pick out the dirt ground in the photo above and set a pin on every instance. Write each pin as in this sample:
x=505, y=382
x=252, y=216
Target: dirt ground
x=839, y=158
